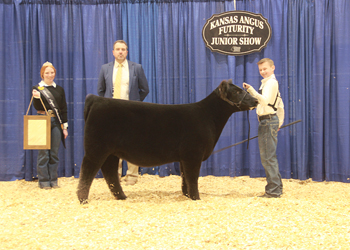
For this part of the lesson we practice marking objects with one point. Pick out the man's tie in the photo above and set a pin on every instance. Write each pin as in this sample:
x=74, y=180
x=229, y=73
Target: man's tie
x=117, y=82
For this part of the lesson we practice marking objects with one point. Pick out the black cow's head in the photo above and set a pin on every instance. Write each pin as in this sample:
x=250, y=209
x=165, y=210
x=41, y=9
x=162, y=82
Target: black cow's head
x=236, y=96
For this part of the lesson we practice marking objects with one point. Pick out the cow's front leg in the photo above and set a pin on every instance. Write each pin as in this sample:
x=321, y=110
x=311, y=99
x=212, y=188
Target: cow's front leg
x=110, y=173
x=88, y=172
x=190, y=173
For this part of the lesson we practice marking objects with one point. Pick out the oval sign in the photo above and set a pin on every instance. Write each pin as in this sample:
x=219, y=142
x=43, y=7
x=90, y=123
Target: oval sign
x=236, y=33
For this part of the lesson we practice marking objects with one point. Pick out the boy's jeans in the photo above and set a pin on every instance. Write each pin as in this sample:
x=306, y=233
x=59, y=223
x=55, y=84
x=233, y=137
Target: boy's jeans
x=267, y=136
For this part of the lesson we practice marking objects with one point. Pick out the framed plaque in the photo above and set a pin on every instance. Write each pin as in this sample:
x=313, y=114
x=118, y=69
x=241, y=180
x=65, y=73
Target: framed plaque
x=37, y=132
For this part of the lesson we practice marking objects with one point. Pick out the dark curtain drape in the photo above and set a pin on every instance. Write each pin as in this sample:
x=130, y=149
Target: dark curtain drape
x=310, y=46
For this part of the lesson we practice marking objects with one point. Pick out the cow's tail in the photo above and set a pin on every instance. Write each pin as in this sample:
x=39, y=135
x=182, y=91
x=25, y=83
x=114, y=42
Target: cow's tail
x=89, y=100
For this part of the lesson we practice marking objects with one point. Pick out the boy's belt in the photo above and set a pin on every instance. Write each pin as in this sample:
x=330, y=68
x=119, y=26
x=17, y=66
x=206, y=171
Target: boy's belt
x=264, y=117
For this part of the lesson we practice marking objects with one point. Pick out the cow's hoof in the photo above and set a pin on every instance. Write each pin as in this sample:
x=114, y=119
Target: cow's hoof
x=194, y=197
x=121, y=197
x=83, y=202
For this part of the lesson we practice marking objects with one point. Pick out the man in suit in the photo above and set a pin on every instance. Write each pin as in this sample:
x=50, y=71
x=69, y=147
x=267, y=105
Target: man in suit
x=123, y=79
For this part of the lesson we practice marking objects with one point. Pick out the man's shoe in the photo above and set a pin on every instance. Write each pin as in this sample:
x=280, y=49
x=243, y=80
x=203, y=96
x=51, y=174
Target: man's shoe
x=56, y=186
x=46, y=188
x=269, y=196
x=130, y=179
x=130, y=182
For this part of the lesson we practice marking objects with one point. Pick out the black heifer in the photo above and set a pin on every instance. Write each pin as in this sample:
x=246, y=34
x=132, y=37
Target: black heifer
x=148, y=134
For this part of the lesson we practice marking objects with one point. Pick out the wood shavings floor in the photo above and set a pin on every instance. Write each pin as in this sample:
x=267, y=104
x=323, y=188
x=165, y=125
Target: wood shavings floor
x=310, y=215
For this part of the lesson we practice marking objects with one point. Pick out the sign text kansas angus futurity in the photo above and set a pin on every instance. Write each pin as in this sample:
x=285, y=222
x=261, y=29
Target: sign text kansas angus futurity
x=236, y=33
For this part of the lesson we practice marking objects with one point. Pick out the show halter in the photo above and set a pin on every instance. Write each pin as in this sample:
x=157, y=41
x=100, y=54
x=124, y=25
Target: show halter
x=238, y=105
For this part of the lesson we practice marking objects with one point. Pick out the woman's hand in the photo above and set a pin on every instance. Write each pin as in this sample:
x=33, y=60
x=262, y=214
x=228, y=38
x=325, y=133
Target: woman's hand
x=36, y=93
x=65, y=133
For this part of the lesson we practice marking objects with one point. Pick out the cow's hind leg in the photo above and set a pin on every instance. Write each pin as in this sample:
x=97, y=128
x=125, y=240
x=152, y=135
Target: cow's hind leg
x=184, y=184
x=88, y=172
x=190, y=174
x=110, y=173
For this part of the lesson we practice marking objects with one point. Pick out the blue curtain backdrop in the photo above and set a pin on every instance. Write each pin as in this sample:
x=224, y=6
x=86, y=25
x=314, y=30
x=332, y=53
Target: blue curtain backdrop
x=310, y=45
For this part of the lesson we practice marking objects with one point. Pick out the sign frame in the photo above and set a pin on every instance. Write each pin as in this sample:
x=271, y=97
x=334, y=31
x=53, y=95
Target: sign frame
x=239, y=29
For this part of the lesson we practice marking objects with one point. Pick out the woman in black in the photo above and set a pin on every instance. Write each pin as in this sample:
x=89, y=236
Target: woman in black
x=47, y=162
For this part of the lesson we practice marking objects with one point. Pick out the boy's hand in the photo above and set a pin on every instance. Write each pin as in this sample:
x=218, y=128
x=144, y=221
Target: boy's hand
x=246, y=85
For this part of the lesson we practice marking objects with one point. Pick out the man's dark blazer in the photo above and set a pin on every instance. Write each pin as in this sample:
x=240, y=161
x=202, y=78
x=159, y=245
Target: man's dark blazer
x=138, y=85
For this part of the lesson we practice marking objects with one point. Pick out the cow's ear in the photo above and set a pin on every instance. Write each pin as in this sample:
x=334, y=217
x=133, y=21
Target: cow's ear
x=223, y=89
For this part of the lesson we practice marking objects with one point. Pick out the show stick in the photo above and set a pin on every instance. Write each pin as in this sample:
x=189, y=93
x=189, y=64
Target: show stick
x=217, y=151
